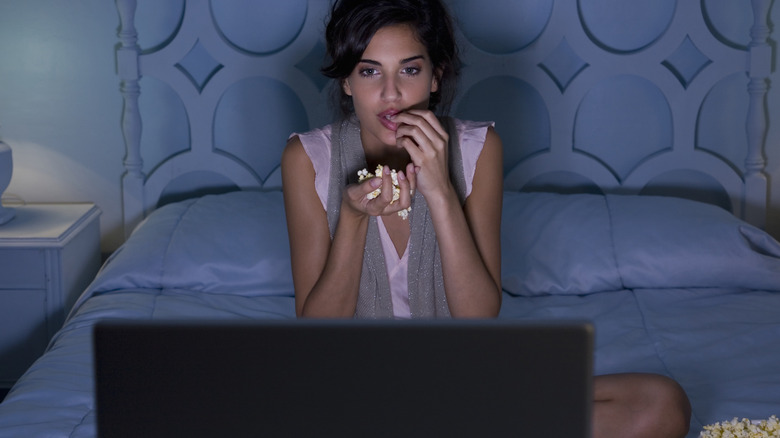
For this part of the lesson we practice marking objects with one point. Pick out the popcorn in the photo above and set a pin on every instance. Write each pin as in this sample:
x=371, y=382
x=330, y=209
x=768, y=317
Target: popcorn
x=364, y=174
x=745, y=428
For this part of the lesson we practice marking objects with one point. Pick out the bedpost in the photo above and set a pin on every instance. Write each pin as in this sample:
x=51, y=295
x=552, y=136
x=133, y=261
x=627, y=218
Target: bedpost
x=127, y=66
x=759, y=68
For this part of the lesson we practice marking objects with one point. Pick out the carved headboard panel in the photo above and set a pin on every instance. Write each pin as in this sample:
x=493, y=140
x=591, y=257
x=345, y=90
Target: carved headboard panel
x=665, y=97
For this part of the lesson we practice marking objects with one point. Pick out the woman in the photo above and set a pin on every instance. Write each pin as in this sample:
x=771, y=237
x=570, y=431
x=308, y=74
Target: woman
x=394, y=69
x=353, y=255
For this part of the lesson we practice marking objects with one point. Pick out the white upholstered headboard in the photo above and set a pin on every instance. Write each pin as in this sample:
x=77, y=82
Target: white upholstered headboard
x=662, y=97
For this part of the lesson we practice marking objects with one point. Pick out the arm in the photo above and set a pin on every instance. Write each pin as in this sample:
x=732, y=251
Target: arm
x=468, y=236
x=326, y=274
x=310, y=243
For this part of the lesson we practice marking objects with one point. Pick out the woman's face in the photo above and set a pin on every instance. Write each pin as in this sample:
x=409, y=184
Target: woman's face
x=394, y=74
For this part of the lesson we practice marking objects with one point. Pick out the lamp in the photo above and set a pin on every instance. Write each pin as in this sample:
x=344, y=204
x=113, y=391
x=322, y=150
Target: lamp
x=6, y=169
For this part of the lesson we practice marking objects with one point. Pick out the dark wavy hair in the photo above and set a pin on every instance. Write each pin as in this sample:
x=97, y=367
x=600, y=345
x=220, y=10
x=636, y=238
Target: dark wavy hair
x=353, y=23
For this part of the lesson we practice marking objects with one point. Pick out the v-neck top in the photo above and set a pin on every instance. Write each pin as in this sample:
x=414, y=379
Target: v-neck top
x=317, y=144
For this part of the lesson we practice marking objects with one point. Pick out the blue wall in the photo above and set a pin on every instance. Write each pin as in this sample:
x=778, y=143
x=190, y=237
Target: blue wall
x=60, y=105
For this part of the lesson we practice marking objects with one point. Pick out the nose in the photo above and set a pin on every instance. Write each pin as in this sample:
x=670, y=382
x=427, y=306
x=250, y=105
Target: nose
x=390, y=89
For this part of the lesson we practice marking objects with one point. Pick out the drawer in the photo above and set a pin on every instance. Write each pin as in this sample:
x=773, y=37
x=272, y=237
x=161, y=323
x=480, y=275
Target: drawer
x=22, y=269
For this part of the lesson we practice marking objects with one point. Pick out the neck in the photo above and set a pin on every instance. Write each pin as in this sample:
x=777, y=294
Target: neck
x=396, y=160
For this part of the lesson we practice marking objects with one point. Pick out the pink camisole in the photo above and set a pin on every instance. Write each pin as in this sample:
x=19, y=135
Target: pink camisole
x=317, y=145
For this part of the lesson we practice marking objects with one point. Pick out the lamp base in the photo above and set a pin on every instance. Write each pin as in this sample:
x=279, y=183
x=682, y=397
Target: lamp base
x=6, y=214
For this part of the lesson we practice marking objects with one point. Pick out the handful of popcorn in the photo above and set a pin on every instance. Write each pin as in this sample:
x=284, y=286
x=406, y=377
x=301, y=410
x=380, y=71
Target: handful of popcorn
x=364, y=174
x=769, y=428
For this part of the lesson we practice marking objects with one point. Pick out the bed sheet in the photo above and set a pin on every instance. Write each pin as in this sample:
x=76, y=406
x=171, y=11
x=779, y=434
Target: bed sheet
x=723, y=345
x=55, y=396
x=724, y=351
x=653, y=284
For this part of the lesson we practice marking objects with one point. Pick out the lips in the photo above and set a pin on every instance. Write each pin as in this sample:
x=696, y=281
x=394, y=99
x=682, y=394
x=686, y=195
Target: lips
x=385, y=119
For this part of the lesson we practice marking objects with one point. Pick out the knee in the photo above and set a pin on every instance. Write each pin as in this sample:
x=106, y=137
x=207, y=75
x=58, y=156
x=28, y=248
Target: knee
x=667, y=406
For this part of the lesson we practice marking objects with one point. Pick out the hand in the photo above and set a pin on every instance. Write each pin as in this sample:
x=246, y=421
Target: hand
x=356, y=196
x=426, y=141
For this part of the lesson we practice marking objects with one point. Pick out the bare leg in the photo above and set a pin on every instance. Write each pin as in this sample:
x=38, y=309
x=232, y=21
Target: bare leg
x=639, y=405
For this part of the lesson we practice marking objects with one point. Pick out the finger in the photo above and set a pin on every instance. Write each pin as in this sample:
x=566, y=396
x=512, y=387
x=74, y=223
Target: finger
x=376, y=203
x=418, y=129
x=426, y=121
x=405, y=197
x=411, y=148
x=411, y=176
x=363, y=192
x=371, y=185
x=422, y=137
x=432, y=120
x=387, y=185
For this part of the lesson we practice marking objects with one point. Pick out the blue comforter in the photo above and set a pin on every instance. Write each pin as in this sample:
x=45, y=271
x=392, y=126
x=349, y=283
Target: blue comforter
x=661, y=300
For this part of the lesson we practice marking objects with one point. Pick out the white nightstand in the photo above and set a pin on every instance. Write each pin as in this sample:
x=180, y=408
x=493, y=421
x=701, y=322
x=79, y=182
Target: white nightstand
x=49, y=253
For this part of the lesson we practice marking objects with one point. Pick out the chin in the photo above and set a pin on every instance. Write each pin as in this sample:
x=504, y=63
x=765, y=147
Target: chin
x=384, y=135
x=389, y=138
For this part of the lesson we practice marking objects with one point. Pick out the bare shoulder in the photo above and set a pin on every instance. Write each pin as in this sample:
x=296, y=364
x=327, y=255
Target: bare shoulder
x=293, y=150
x=296, y=164
x=489, y=171
x=493, y=145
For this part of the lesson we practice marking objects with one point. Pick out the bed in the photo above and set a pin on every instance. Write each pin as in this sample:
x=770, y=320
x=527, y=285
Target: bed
x=635, y=192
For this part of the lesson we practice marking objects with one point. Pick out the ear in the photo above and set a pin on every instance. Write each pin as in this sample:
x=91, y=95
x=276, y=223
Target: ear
x=346, y=88
x=435, y=80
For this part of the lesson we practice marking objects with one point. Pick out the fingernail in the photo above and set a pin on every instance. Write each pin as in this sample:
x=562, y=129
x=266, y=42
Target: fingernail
x=376, y=182
x=401, y=176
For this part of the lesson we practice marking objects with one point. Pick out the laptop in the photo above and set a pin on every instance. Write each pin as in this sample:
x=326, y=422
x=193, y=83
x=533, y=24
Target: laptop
x=344, y=378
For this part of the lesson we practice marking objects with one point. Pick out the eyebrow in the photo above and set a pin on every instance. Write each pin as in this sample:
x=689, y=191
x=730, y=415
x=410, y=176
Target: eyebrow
x=403, y=61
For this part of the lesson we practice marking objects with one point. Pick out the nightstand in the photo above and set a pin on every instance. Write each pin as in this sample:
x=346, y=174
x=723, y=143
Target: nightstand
x=49, y=253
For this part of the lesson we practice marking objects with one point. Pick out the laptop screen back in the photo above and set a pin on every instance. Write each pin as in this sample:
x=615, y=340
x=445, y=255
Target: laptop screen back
x=302, y=378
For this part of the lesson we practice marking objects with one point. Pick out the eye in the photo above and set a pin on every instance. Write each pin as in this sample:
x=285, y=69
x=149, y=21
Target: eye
x=368, y=72
x=411, y=71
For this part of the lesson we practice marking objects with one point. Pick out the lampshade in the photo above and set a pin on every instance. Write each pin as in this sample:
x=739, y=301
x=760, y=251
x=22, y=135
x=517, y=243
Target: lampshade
x=6, y=169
